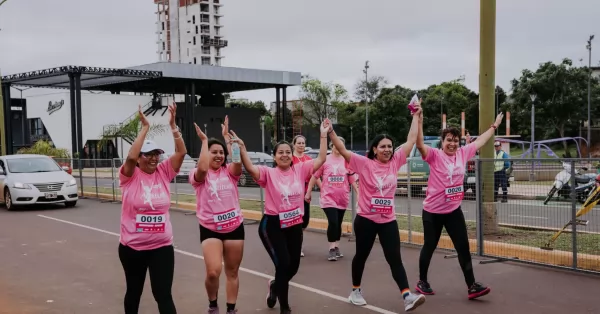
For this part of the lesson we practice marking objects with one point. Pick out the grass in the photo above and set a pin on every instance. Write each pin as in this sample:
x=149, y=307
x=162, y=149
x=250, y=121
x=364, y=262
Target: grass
x=586, y=243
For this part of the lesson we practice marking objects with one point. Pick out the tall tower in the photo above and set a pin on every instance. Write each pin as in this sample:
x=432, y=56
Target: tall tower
x=190, y=31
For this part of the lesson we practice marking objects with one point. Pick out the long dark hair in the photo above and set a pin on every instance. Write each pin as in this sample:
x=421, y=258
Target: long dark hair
x=375, y=142
x=212, y=141
x=277, y=147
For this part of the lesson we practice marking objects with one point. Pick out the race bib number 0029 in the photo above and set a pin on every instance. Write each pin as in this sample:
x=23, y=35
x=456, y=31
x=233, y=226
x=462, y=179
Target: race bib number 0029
x=150, y=223
x=227, y=220
x=290, y=218
x=382, y=205
x=455, y=193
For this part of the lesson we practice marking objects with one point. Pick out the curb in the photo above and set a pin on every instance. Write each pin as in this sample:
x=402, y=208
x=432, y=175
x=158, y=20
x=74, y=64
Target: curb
x=497, y=249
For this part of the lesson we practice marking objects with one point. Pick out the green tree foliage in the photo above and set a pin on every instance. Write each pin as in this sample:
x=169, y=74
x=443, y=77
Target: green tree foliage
x=43, y=147
x=129, y=131
x=320, y=100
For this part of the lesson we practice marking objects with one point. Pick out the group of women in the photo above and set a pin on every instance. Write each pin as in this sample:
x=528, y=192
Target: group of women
x=146, y=242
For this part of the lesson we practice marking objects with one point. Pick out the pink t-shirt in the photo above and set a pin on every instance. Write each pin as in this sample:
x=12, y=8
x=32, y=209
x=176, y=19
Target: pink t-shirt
x=445, y=188
x=284, y=191
x=145, y=219
x=217, y=200
x=336, y=177
x=377, y=186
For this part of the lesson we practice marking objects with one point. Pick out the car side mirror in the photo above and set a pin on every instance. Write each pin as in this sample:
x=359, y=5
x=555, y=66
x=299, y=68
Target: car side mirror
x=65, y=168
x=2, y=172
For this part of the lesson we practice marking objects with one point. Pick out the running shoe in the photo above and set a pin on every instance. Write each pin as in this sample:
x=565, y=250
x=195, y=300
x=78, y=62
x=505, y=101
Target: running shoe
x=423, y=287
x=338, y=253
x=413, y=301
x=478, y=290
x=271, y=295
x=213, y=310
x=232, y=312
x=356, y=297
x=332, y=256
x=286, y=311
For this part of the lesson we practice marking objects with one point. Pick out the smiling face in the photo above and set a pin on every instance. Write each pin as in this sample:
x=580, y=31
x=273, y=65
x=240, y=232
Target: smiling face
x=384, y=150
x=450, y=141
x=149, y=161
x=283, y=155
x=217, y=156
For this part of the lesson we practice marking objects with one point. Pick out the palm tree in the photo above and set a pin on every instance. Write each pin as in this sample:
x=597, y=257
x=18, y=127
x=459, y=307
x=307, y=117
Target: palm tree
x=129, y=131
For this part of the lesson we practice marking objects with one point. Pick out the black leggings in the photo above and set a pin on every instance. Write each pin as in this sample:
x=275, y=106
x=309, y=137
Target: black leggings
x=456, y=227
x=335, y=217
x=366, y=230
x=306, y=217
x=161, y=263
x=283, y=246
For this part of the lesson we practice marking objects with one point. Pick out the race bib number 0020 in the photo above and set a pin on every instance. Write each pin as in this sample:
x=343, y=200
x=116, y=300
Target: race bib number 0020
x=290, y=218
x=455, y=193
x=382, y=205
x=150, y=223
x=227, y=220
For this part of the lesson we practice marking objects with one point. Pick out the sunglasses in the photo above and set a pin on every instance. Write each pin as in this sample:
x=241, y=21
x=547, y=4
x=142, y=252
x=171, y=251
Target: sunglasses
x=150, y=155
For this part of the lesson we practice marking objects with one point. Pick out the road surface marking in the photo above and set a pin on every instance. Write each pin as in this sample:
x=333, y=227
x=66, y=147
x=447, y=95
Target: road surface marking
x=532, y=217
x=246, y=270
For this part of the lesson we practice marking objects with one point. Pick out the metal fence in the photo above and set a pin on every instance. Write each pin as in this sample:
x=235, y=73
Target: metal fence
x=518, y=226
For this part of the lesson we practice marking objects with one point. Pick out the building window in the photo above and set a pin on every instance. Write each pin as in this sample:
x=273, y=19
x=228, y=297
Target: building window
x=194, y=40
x=206, y=50
x=163, y=45
x=193, y=19
x=196, y=29
x=163, y=26
x=205, y=60
x=194, y=60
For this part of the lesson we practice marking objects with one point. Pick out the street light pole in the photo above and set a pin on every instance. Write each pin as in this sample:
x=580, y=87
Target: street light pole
x=589, y=118
x=262, y=129
x=366, y=70
x=532, y=174
x=351, y=139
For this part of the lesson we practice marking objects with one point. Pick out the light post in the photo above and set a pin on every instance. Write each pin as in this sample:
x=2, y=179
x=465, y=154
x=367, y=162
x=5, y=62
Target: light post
x=533, y=97
x=366, y=70
x=262, y=128
x=589, y=118
x=351, y=139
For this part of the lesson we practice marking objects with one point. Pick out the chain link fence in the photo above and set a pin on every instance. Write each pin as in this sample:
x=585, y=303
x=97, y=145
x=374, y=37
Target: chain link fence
x=519, y=223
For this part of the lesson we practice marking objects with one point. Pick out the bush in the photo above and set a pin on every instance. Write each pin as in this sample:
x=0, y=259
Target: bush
x=43, y=147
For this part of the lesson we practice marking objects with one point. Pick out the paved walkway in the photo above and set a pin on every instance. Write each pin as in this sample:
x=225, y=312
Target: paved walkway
x=65, y=261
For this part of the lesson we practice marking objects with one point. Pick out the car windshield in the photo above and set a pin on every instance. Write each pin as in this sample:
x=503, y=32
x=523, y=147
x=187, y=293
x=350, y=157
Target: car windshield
x=31, y=165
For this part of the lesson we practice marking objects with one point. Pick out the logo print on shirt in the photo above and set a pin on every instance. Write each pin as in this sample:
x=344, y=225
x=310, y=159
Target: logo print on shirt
x=450, y=168
x=380, y=183
x=335, y=169
x=147, y=195
x=285, y=192
x=213, y=188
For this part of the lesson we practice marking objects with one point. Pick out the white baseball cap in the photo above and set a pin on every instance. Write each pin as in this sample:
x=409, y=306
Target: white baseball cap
x=496, y=143
x=150, y=146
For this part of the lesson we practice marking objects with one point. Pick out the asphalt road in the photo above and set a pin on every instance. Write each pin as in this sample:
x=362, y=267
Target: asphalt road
x=515, y=212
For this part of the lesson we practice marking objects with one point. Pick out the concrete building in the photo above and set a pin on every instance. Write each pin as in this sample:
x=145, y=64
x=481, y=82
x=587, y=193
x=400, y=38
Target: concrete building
x=190, y=31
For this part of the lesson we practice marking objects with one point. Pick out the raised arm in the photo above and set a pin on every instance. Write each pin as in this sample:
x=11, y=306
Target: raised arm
x=483, y=138
x=423, y=149
x=136, y=147
x=339, y=145
x=246, y=161
x=180, y=149
x=411, y=139
x=236, y=167
x=204, y=158
x=320, y=160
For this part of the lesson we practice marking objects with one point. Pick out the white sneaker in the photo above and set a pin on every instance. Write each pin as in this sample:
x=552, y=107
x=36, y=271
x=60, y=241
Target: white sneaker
x=413, y=301
x=356, y=297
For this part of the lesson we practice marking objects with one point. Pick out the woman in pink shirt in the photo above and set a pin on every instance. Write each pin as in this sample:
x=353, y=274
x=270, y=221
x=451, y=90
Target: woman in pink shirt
x=335, y=193
x=376, y=214
x=441, y=207
x=146, y=242
x=219, y=216
x=280, y=228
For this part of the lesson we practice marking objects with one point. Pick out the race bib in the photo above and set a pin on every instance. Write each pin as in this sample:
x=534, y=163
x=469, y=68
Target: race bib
x=336, y=179
x=455, y=193
x=290, y=218
x=382, y=205
x=150, y=223
x=227, y=220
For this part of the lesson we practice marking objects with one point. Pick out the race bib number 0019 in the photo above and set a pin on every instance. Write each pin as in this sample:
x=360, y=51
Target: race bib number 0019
x=227, y=220
x=382, y=205
x=290, y=218
x=455, y=193
x=150, y=223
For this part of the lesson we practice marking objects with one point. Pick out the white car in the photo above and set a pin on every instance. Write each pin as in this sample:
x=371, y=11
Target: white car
x=35, y=179
x=188, y=164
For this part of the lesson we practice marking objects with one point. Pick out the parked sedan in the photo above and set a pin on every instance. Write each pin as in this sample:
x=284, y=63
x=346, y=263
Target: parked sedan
x=35, y=179
x=186, y=167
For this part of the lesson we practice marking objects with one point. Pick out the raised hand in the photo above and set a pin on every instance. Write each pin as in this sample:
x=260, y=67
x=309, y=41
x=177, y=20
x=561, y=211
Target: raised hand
x=325, y=126
x=173, y=112
x=418, y=109
x=201, y=134
x=143, y=118
x=225, y=127
x=499, y=118
x=236, y=139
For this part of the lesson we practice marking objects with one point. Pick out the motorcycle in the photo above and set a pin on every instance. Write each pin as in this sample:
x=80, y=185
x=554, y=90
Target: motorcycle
x=584, y=184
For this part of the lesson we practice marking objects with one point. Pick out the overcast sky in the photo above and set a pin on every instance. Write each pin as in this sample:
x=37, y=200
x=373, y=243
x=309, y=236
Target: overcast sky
x=411, y=43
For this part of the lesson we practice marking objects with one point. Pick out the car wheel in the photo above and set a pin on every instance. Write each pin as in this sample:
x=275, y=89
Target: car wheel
x=8, y=200
x=70, y=204
x=242, y=180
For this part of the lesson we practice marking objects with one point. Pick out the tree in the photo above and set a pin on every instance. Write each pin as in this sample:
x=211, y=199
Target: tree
x=129, y=131
x=43, y=147
x=370, y=88
x=561, y=99
x=320, y=100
